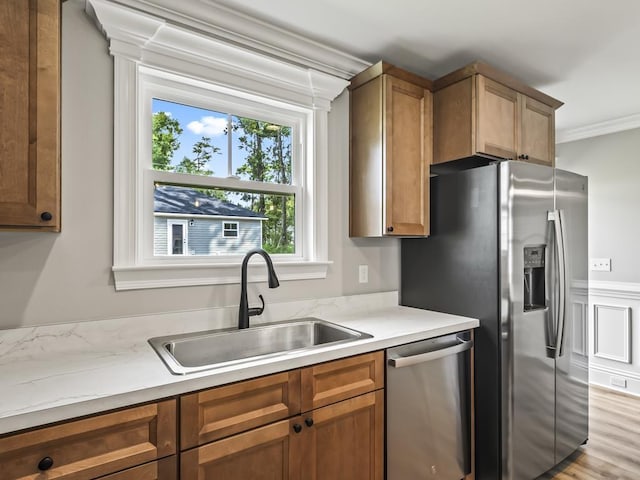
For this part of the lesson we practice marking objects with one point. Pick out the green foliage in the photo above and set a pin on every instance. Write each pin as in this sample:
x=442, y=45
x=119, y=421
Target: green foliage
x=269, y=160
x=165, y=132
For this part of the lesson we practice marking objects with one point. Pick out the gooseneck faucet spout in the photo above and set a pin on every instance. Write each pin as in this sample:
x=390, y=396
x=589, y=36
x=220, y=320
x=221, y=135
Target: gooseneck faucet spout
x=244, y=312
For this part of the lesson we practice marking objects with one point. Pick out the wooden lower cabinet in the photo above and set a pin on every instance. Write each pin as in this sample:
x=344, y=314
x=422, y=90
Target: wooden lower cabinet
x=342, y=441
x=338, y=436
x=271, y=452
x=346, y=440
x=92, y=447
x=164, y=469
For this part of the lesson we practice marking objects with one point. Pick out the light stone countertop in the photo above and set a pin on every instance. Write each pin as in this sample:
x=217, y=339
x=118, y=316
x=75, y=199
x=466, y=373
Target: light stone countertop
x=57, y=372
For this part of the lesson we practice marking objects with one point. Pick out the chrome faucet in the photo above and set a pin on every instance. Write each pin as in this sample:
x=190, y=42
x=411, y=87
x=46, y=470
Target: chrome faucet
x=244, y=311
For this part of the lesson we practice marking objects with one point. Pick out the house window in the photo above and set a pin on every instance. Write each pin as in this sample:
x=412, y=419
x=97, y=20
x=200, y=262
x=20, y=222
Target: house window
x=254, y=133
x=177, y=237
x=230, y=229
x=225, y=164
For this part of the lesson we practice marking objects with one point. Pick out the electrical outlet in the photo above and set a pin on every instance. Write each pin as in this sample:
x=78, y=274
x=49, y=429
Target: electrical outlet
x=600, y=264
x=618, y=381
x=363, y=273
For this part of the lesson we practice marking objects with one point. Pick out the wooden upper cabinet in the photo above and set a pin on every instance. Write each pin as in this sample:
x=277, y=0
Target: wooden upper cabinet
x=538, y=132
x=391, y=147
x=93, y=447
x=30, y=114
x=481, y=111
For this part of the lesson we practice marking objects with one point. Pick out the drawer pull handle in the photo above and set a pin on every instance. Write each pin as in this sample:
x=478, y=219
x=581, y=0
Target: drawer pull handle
x=45, y=464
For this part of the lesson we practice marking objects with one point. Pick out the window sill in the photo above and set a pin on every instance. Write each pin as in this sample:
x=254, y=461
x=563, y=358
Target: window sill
x=162, y=276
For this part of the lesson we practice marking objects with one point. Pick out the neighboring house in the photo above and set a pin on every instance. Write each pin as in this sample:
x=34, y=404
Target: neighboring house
x=189, y=222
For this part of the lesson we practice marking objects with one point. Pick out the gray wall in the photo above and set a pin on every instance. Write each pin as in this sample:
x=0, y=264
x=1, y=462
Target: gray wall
x=56, y=278
x=204, y=237
x=612, y=163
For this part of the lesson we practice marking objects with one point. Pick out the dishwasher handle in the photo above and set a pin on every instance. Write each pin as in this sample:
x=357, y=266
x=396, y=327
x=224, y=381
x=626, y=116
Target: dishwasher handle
x=461, y=346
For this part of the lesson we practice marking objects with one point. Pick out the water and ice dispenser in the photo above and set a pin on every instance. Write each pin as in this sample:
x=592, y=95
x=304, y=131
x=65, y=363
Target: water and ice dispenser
x=534, y=275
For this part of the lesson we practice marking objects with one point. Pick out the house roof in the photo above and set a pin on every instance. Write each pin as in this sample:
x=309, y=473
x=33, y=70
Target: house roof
x=189, y=201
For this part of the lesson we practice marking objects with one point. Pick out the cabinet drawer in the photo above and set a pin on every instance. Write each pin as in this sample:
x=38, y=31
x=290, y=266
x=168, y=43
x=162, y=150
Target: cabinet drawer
x=164, y=469
x=92, y=447
x=223, y=411
x=265, y=453
x=341, y=379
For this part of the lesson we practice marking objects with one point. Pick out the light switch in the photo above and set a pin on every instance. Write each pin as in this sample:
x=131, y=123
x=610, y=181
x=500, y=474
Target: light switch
x=600, y=264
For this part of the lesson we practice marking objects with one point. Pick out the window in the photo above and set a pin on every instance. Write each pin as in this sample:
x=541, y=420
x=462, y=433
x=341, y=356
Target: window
x=260, y=157
x=230, y=229
x=234, y=106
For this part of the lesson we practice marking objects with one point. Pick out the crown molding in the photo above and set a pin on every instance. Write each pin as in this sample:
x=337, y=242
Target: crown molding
x=600, y=128
x=216, y=20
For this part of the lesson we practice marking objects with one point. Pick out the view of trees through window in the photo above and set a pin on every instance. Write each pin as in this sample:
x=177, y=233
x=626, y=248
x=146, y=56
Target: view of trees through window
x=187, y=139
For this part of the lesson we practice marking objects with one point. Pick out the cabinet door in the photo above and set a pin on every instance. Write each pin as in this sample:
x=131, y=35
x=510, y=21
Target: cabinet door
x=94, y=446
x=338, y=380
x=498, y=119
x=223, y=411
x=537, y=133
x=29, y=119
x=407, y=157
x=266, y=453
x=346, y=440
x=165, y=469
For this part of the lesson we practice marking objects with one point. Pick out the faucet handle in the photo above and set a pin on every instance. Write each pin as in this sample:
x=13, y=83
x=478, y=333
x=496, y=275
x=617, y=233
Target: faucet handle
x=257, y=310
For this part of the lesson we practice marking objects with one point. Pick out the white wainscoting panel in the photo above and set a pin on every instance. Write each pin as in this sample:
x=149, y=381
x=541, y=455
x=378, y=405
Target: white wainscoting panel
x=580, y=317
x=614, y=335
x=611, y=329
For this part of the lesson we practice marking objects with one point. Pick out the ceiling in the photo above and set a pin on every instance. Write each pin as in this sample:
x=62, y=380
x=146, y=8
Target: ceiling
x=582, y=52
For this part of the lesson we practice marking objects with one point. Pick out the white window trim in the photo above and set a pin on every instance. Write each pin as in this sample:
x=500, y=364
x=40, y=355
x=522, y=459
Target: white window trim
x=236, y=230
x=185, y=237
x=138, y=40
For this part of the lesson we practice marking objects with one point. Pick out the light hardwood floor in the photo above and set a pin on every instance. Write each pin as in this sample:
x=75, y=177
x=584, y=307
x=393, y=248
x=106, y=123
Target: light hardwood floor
x=613, y=449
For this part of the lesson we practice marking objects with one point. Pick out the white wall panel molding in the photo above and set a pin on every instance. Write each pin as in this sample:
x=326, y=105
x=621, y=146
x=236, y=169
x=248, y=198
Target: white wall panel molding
x=611, y=332
x=624, y=290
x=600, y=128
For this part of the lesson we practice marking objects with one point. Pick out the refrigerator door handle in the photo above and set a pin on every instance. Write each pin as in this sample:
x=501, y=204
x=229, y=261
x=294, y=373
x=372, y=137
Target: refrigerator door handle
x=556, y=217
x=563, y=284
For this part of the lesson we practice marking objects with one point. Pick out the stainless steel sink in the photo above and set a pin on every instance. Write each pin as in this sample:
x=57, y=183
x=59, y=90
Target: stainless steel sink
x=193, y=352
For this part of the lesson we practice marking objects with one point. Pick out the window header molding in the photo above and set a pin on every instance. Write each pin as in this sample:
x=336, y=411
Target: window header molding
x=145, y=45
x=154, y=42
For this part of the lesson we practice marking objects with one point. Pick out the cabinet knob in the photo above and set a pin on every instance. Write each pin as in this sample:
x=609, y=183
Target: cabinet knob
x=45, y=464
x=308, y=422
x=297, y=428
x=46, y=216
x=389, y=229
x=521, y=157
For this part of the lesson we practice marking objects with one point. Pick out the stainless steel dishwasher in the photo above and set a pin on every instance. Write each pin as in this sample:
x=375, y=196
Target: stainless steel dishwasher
x=428, y=409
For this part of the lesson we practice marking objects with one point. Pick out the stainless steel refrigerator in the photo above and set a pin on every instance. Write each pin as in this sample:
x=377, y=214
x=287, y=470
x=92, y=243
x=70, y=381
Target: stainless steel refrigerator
x=509, y=246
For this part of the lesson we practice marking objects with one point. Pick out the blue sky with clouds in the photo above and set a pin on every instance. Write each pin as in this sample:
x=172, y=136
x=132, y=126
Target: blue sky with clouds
x=197, y=123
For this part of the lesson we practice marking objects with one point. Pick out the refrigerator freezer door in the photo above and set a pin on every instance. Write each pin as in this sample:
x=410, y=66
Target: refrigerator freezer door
x=572, y=363
x=528, y=379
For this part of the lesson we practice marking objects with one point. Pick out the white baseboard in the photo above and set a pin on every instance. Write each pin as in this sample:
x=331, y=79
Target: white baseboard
x=601, y=376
